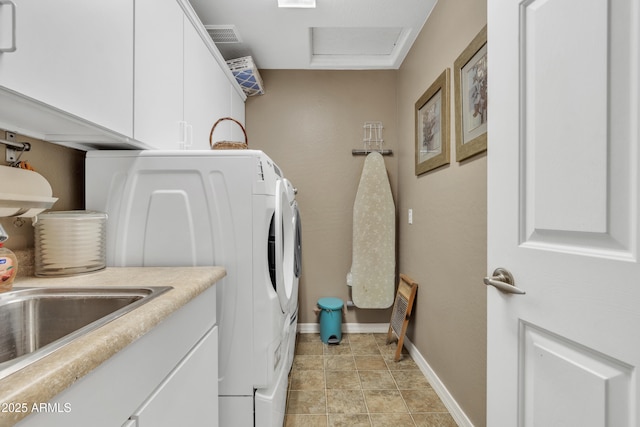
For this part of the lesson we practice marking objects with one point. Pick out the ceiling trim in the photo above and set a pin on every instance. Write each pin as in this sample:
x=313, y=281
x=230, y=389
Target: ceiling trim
x=361, y=62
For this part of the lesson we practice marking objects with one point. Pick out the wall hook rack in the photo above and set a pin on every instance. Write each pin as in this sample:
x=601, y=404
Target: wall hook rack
x=12, y=147
x=364, y=151
x=372, y=140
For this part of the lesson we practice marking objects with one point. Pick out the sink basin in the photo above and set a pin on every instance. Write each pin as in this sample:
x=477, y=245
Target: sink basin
x=35, y=322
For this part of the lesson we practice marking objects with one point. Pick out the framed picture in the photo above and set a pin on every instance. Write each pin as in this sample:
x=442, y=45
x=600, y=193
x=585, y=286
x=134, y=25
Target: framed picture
x=432, y=126
x=470, y=81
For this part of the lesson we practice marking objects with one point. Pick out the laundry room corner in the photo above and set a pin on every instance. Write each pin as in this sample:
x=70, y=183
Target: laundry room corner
x=309, y=122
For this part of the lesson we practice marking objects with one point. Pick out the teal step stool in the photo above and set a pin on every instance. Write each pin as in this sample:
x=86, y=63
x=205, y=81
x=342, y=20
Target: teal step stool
x=330, y=320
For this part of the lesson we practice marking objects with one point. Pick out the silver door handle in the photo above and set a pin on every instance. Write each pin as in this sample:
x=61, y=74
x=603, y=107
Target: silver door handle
x=12, y=46
x=503, y=280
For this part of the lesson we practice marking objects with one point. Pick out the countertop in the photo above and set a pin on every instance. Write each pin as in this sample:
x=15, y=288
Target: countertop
x=44, y=379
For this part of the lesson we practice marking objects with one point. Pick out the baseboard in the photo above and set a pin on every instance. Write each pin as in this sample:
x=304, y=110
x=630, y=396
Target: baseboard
x=354, y=328
x=452, y=406
x=372, y=328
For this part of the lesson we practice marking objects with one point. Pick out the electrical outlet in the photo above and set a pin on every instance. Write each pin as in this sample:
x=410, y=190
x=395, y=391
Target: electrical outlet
x=410, y=216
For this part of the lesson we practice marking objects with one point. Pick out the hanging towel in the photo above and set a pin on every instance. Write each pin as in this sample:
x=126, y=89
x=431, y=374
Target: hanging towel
x=372, y=275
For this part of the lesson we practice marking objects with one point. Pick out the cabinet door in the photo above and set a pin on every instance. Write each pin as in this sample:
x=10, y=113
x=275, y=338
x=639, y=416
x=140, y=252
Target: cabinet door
x=158, y=100
x=189, y=395
x=75, y=55
x=237, y=112
x=206, y=89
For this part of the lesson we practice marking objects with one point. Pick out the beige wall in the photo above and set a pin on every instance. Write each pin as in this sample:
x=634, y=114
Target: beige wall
x=308, y=122
x=445, y=248
x=64, y=169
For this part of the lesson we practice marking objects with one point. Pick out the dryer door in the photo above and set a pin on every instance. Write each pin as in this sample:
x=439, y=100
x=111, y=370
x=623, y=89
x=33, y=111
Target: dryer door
x=297, y=255
x=284, y=247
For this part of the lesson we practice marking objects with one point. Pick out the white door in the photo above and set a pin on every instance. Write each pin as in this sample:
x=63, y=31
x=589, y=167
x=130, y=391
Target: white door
x=563, y=178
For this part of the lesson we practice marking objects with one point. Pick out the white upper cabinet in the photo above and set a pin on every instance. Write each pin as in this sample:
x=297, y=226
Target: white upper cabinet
x=158, y=96
x=238, y=113
x=181, y=88
x=206, y=89
x=72, y=55
x=117, y=74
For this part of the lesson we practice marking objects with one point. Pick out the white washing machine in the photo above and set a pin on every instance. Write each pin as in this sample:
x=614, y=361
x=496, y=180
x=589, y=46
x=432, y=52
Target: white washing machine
x=231, y=208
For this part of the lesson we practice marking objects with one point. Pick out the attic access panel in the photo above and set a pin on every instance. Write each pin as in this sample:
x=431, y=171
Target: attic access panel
x=354, y=41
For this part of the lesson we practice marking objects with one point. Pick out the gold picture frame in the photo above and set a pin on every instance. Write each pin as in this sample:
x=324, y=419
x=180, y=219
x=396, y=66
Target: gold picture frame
x=432, y=125
x=470, y=81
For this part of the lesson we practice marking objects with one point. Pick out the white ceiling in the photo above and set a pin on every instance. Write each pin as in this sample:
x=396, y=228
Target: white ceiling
x=337, y=34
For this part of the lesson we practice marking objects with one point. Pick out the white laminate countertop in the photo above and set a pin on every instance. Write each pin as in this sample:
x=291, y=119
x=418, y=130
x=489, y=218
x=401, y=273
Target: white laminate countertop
x=45, y=378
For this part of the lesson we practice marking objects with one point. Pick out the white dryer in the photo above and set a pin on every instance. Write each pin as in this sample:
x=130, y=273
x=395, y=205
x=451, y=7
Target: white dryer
x=231, y=208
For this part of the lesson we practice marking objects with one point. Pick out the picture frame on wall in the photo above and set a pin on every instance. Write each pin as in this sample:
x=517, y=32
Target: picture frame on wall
x=470, y=82
x=432, y=125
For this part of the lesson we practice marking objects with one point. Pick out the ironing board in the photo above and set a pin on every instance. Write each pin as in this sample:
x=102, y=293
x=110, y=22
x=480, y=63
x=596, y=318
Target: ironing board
x=374, y=241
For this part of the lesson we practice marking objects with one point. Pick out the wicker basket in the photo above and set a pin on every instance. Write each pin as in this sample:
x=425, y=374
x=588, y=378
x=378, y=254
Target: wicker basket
x=228, y=145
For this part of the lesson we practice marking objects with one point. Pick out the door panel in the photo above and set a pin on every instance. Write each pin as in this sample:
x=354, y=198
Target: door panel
x=567, y=384
x=563, y=212
x=568, y=81
x=558, y=125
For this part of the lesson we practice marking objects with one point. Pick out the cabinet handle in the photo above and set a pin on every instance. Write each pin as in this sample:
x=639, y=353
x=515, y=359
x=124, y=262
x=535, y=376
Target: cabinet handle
x=182, y=135
x=131, y=422
x=189, y=136
x=12, y=47
x=185, y=135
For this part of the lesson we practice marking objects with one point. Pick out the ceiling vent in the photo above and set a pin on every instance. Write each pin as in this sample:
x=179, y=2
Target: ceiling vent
x=223, y=33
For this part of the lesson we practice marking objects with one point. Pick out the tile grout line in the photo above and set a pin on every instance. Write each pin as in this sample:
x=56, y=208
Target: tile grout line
x=396, y=384
x=326, y=391
x=364, y=398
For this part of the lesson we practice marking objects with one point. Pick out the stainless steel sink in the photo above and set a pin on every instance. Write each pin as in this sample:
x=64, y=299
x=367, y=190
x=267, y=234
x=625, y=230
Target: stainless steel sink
x=34, y=322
